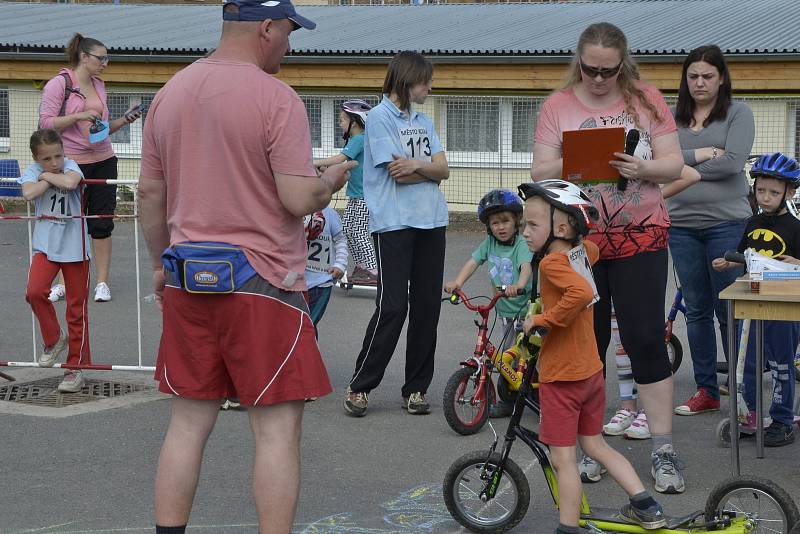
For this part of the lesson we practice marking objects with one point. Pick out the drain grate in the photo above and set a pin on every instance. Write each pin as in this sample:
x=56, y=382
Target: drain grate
x=44, y=392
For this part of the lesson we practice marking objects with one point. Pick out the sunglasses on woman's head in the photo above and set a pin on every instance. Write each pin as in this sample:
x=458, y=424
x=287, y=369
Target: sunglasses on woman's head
x=594, y=72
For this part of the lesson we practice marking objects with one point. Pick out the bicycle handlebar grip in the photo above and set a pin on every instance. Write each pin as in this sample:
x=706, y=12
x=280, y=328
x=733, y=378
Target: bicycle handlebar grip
x=734, y=257
x=521, y=291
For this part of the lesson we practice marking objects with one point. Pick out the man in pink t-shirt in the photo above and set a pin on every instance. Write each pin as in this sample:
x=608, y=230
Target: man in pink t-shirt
x=226, y=157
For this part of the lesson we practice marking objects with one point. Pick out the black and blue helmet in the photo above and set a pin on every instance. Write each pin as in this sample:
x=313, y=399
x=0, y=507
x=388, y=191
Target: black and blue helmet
x=498, y=200
x=777, y=166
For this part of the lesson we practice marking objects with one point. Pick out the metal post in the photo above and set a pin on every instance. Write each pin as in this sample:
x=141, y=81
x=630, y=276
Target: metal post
x=30, y=262
x=138, y=281
x=733, y=356
x=759, y=387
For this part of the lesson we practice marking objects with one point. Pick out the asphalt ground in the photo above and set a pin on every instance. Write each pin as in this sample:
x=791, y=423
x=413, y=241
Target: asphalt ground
x=381, y=474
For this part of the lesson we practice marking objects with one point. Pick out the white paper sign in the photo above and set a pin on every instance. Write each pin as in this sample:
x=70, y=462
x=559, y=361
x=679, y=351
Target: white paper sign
x=580, y=264
x=416, y=142
x=55, y=203
x=319, y=254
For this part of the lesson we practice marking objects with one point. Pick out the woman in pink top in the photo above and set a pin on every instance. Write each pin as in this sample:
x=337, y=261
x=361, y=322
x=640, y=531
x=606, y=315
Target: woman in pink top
x=603, y=90
x=72, y=102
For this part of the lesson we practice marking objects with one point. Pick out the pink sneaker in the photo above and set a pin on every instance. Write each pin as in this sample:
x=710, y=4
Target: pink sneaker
x=639, y=429
x=750, y=424
x=699, y=402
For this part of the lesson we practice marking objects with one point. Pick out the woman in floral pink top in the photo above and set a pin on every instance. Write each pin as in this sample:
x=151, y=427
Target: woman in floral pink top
x=603, y=90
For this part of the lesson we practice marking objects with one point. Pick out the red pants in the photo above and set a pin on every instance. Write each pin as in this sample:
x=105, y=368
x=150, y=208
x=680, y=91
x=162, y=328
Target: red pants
x=76, y=281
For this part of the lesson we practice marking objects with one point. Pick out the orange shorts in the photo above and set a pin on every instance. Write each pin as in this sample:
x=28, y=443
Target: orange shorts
x=257, y=344
x=569, y=409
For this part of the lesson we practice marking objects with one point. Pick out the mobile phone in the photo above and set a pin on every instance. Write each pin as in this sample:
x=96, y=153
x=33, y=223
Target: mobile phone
x=139, y=108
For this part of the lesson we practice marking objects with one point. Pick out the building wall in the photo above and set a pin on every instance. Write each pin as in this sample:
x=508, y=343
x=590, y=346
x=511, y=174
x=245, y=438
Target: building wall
x=489, y=111
x=472, y=78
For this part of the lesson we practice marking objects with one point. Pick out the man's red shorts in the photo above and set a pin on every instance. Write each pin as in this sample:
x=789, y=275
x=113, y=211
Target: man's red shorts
x=257, y=344
x=570, y=409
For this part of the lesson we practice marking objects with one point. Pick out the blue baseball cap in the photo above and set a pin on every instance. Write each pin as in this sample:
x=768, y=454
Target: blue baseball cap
x=257, y=10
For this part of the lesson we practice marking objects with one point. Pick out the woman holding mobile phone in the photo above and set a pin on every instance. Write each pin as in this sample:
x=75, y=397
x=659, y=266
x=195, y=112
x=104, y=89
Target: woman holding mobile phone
x=75, y=104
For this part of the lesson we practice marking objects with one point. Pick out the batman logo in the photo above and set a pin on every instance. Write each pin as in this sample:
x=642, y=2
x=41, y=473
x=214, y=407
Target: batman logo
x=767, y=242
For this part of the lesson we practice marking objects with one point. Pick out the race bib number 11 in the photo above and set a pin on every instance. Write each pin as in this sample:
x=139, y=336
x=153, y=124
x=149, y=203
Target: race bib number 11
x=56, y=204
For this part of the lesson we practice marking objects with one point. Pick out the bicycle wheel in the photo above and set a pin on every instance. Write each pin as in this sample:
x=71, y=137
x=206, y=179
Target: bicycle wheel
x=766, y=504
x=465, y=411
x=674, y=352
x=464, y=482
x=503, y=391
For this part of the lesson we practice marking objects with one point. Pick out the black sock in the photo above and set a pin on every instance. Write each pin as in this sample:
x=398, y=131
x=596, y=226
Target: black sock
x=643, y=501
x=170, y=530
x=564, y=529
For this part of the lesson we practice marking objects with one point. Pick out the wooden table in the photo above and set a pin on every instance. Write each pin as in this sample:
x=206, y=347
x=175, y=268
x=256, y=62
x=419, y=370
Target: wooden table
x=745, y=304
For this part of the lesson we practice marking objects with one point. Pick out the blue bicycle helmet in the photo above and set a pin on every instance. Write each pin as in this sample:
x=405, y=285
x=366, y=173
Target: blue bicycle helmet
x=498, y=200
x=777, y=166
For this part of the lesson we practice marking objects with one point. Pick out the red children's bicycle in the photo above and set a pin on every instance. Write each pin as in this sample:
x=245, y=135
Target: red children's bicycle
x=470, y=390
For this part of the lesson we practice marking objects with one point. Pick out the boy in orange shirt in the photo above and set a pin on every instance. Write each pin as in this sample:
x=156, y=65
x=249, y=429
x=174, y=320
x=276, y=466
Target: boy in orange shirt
x=572, y=393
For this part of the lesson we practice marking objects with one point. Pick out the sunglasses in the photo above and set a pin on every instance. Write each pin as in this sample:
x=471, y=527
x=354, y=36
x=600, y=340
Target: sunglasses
x=594, y=72
x=101, y=59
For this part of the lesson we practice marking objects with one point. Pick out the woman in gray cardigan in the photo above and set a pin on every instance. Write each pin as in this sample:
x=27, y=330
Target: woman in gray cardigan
x=708, y=218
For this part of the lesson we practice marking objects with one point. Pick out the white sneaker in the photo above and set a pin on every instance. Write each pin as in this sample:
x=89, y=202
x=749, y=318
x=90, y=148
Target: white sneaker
x=619, y=423
x=72, y=383
x=57, y=292
x=50, y=355
x=102, y=293
x=639, y=428
x=590, y=470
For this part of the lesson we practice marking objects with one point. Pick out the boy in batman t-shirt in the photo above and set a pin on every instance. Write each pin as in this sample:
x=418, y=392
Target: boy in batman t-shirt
x=775, y=233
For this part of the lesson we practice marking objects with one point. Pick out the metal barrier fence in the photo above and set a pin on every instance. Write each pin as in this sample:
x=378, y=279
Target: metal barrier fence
x=29, y=218
x=488, y=139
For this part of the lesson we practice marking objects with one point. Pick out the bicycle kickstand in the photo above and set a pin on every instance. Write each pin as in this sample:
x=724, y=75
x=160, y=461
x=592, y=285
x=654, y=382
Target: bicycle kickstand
x=591, y=527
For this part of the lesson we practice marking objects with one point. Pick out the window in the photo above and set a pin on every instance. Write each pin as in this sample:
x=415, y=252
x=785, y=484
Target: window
x=473, y=125
x=797, y=131
x=5, y=121
x=323, y=121
x=127, y=141
x=314, y=112
x=488, y=132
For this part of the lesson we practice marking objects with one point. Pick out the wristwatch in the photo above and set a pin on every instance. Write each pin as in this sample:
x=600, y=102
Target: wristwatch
x=714, y=152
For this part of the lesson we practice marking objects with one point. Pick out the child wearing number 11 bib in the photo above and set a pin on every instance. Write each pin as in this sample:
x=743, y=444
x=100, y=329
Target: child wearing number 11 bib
x=59, y=243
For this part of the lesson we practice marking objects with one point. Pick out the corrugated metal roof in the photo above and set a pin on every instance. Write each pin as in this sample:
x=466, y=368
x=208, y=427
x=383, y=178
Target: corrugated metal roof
x=653, y=27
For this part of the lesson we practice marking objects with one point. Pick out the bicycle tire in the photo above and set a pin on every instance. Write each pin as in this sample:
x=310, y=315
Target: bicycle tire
x=760, y=491
x=466, y=470
x=674, y=352
x=504, y=392
x=457, y=393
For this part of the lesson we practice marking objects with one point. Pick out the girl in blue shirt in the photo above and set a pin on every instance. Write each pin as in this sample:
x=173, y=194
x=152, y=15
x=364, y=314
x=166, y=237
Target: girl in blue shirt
x=403, y=166
x=352, y=121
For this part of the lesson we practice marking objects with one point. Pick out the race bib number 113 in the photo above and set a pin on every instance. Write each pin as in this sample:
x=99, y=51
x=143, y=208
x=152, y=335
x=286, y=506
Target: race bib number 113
x=416, y=143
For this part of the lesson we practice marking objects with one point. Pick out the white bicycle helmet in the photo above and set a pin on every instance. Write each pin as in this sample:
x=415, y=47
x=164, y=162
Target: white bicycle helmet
x=567, y=197
x=357, y=110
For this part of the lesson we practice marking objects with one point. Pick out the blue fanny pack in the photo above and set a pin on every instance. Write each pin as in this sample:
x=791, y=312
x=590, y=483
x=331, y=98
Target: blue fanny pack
x=208, y=267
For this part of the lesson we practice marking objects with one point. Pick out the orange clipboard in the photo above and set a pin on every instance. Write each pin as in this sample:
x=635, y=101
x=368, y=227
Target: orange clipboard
x=586, y=154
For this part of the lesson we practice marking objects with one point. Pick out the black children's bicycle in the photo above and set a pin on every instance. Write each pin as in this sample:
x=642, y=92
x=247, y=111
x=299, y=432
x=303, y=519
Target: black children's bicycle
x=486, y=491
